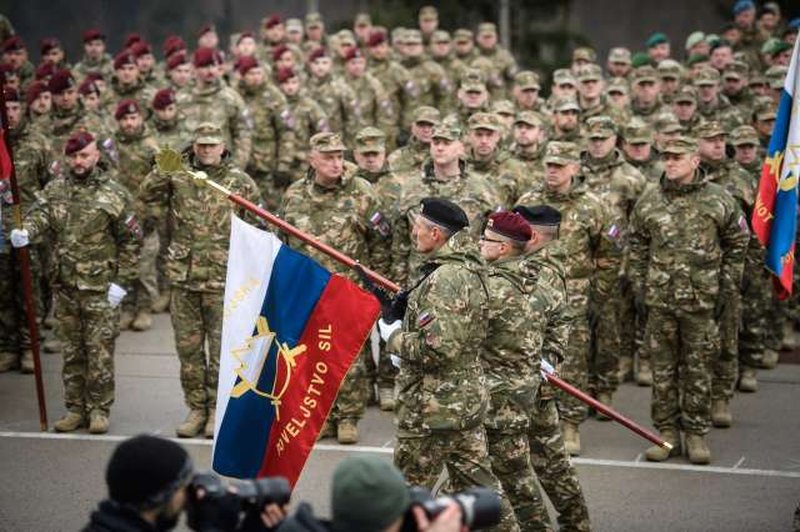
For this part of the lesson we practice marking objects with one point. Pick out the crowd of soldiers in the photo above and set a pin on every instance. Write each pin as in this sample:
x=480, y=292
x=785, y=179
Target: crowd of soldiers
x=602, y=231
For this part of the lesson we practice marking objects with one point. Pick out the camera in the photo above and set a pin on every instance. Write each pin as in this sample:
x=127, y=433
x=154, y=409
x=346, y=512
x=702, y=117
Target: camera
x=480, y=507
x=235, y=506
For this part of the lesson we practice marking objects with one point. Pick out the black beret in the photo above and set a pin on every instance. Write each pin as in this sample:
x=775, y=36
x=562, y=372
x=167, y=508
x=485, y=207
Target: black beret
x=539, y=214
x=445, y=213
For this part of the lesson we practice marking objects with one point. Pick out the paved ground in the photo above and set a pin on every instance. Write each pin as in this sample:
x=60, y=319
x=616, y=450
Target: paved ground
x=51, y=482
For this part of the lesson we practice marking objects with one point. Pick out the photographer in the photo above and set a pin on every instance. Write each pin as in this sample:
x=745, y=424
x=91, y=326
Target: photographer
x=151, y=482
x=370, y=495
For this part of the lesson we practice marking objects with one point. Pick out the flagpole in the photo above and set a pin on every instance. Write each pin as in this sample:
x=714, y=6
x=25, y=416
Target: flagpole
x=25, y=267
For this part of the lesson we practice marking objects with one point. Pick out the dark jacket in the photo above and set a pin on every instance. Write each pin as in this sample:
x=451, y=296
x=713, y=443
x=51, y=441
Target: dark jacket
x=303, y=520
x=110, y=516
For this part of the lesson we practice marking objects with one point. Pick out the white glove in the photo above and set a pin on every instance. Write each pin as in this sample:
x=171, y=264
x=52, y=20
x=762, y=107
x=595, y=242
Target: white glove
x=115, y=295
x=395, y=360
x=387, y=329
x=19, y=238
x=547, y=368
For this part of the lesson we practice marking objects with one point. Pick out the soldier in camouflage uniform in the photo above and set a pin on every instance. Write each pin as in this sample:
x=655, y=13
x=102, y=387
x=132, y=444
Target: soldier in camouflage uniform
x=585, y=224
x=337, y=207
x=445, y=175
x=435, y=88
x=735, y=88
x=91, y=222
x=32, y=156
x=728, y=174
x=544, y=267
x=618, y=184
x=526, y=94
x=684, y=107
x=196, y=260
x=127, y=83
x=38, y=102
x=486, y=159
x=442, y=395
x=273, y=133
x=375, y=106
x=411, y=156
x=464, y=45
x=711, y=104
x=510, y=357
x=671, y=73
x=528, y=150
x=67, y=114
x=95, y=58
x=400, y=87
x=472, y=96
x=337, y=99
x=687, y=244
x=640, y=151
x=566, y=122
x=211, y=101
x=646, y=88
x=97, y=118
x=592, y=99
x=309, y=119
x=441, y=50
x=503, y=64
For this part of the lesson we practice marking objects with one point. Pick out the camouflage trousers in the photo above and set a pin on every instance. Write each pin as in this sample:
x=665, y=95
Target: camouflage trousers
x=605, y=345
x=87, y=327
x=682, y=346
x=164, y=238
x=556, y=473
x=575, y=370
x=777, y=314
x=464, y=454
x=145, y=287
x=270, y=191
x=197, y=319
x=756, y=303
x=351, y=401
x=14, y=334
x=381, y=374
x=726, y=360
x=632, y=324
x=510, y=456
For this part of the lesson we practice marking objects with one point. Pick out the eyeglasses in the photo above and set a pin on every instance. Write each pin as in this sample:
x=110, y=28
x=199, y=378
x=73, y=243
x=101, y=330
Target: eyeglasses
x=485, y=239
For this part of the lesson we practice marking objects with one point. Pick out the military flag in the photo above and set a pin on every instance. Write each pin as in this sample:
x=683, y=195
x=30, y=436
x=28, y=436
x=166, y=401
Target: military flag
x=291, y=330
x=775, y=211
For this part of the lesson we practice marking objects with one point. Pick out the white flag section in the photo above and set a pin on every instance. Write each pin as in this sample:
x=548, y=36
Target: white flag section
x=251, y=255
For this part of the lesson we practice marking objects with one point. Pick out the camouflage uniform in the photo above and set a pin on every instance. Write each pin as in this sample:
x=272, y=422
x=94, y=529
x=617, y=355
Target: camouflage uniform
x=169, y=134
x=720, y=110
x=400, y=87
x=309, y=119
x=94, y=231
x=64, y=122
x=375, y=106
x=411, y=156
x=435, y=88
x=503, y=65
x=687, y=248
x=744, y=100
x=532, y=168
x=104, y=66
x=601, y=107
x=340, y=104
x=196, y=261
x=647, y=114
x=139, y=91
x=219, y=104
x=442, y=395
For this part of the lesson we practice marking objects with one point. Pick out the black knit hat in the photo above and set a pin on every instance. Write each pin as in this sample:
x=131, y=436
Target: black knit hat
x=445, y=213
x=145, y=471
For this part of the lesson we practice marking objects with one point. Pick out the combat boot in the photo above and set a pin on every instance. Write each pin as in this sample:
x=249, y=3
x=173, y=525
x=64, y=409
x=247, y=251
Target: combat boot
x=328, y=430
x=194, y=423
x=71, y=421
x=697, y=448
x=98, y=422
x=52, y=346
x=605, y=398
x=8, y=361
x=572, y=438
x=625, y=368
x=644, y=377
x=657, y=453
x=143, y=321
x=26, y=363
x=386, y=396
x=770, y=359
x=747, y=381
x=125, y=320
x=721, y=416
x=209, y=430
x=347, y=431
x=161, y=304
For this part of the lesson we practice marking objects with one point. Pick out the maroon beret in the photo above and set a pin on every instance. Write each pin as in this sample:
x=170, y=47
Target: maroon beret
x=49, y=43
x=132, y=39
x=46, y=70
x=77, y=141
x=177, y=59
x=317, y=53
x=205, y=29
x=93, y=34
x=124, y=58
x=128, y=106
x=8, y=71
x=173, y=44
x=61, y=81
x=95, y=76
x=510, y=225
x=285, y=74
x=164, y=98
x=88, y=86
x=376, y=38
x=13, y=44
x=205, y=57
x=140, y=48
x=279, y=51
x=245, y=63
x=272, y=21
x=11, y=95
x=35, y=90
x=352, y=53
x=244, y=35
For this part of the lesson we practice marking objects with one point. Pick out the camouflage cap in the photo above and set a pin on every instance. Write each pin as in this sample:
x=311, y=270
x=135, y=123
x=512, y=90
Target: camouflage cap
x=619, y=55
x=564, y=76
x=708, y=130
x=764, y=109
x=695, y=38
x=707, y=76
x=756, y=79
x=566, y=104
x=667, y=123
x=487, y=28
x=313, y=19
x=473, y=79
x=370, y=140
x=327, y=142
x=488, y=121
x=427, y=114
x=208, y=133
x=669, y=69
x=679, y=145
x=447, y=131
x=687, y=93
x=776, y=76
x=644, y=74
x=617, y=85
x=463, y=35
x=561, y=153
x=591, y=72
x=735, y=70
x=294, y=24
x=637, y=132
x=412, y=37
x=440, y=36
x=527, y=79
x=503, y=107
x=345, y=36
x=399, y=35
x=600, y=127
x=363, y=19
x=428, y=13
x=529, y=117
x=584, y=53
x=744, y=135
